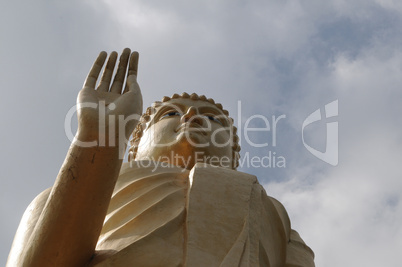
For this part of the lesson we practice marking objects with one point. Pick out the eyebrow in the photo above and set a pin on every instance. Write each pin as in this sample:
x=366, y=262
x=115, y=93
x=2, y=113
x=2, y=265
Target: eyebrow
x=162, y=109
x=183, y=108
x=216, y=110
x=176, y=107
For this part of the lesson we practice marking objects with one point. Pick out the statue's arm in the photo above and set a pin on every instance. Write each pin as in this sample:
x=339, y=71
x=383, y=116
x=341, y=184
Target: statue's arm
x=298, y=254
x=66, y=232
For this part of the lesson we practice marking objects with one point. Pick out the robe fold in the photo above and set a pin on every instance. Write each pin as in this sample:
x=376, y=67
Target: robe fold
x=163, y=215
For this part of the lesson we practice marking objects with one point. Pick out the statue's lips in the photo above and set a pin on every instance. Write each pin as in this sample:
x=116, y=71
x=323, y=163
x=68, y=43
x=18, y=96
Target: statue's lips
x=191, y=127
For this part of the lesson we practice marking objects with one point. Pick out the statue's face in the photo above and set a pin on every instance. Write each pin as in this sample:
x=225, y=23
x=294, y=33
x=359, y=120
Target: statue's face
x=184, y=132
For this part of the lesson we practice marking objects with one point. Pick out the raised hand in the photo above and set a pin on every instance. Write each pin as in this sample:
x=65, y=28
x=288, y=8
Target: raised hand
x=64, y=226
x=110, y=107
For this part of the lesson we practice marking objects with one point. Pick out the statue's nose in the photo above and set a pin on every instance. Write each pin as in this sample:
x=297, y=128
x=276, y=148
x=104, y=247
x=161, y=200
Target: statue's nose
x=192, y=116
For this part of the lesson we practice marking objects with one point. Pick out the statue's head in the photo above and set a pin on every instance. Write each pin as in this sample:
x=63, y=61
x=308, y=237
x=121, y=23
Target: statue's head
x=186, y=129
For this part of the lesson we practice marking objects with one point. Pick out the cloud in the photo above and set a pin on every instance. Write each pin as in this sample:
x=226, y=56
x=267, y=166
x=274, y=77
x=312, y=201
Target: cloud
x=354, y=209
x=275, y=57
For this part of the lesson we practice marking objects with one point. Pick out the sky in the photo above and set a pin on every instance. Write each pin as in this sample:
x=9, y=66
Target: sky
x=265, y=61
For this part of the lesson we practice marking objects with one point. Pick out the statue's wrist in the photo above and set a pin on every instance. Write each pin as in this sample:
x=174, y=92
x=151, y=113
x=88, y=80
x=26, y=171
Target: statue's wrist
x=107, y=138
x=86, y=134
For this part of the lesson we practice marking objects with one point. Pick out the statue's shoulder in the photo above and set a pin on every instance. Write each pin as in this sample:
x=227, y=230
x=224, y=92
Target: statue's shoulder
x=36, y=206
x=27, y=225
x=32, y=213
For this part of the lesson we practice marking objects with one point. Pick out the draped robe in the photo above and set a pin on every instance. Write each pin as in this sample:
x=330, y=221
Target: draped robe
x=163, y=215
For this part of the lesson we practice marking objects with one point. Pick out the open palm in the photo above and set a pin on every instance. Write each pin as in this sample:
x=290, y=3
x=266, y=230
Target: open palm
x=110, y=103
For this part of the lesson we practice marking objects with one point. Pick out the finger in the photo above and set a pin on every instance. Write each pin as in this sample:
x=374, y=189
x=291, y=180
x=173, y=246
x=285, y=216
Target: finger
x=121, y=72
x=93, y=74
x=132, y=68
x=108, y=73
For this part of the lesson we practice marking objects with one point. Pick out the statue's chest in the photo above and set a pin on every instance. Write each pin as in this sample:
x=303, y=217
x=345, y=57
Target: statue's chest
x=145, y=221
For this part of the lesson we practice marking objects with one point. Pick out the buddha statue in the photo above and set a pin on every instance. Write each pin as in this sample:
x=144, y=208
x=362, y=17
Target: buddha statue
x=178, y=201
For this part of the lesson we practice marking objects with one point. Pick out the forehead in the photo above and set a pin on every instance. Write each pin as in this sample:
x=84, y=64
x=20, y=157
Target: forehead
x=183, y=104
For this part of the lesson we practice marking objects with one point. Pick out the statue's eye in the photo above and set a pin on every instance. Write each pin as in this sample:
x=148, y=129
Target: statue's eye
x=213, y=118
x=170, y=114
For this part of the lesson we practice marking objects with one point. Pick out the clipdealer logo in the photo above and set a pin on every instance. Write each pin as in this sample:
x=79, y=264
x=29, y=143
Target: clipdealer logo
x=268, y=127
x=330, y=155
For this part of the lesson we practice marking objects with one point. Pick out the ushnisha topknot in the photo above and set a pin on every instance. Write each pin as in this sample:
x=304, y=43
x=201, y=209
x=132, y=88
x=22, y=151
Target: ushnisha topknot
x=146, y=117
